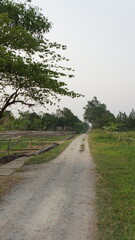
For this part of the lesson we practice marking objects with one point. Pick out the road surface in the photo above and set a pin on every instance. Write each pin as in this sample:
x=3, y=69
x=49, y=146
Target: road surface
x=56, y=201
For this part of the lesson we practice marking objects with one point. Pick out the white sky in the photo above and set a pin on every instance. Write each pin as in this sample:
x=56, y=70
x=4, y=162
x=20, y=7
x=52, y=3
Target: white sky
x=100, y=39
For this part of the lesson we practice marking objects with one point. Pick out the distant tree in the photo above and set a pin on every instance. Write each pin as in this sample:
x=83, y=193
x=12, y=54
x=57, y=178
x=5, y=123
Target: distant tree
x=66, y=118
x=97, y=114
x=63, y=119
x=28, y=121
x=121, y=120
x=29, y=69
x=131, y=120
x=81, y=127
x=49, y=121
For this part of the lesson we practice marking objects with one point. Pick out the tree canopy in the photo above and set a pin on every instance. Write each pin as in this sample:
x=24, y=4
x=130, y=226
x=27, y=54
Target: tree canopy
x=97, y=114
x=44, y=121
x=29, y=63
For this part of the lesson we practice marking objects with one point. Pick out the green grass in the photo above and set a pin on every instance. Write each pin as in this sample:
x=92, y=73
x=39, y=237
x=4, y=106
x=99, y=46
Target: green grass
x=115, y=166
x=27, y=143
x=49, y=155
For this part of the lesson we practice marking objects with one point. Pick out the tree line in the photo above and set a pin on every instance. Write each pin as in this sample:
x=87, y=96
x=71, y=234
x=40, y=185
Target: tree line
x=62, y=120
x=100, y=117
x=95, y=113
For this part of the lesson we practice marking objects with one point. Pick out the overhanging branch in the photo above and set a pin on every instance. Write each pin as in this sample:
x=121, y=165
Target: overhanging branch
x=12, y=100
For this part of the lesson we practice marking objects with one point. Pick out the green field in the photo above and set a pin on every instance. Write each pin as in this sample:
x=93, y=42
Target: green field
x=115, y=170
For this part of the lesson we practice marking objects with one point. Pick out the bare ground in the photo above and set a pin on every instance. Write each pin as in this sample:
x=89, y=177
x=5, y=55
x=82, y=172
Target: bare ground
x=56, y=201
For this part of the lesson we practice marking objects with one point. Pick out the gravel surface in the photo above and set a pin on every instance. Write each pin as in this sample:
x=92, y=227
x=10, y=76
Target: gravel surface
x=56, y=201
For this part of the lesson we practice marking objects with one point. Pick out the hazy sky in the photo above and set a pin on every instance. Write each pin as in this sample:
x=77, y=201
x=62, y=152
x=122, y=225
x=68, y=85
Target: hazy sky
x=100, y=39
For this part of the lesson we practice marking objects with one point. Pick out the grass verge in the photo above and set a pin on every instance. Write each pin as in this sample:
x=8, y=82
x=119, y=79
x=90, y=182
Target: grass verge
x=115, y=165
x=49, y=155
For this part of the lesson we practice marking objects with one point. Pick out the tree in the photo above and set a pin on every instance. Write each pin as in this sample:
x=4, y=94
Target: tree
x=113, y=127
x=7, y=122
x=81, y=127
x=29, y=69
x=131, y=120
x=97, y=114
x=66, y=118
x=49, y=121
x=43, y=121
x=121, y=120
x=28, y=121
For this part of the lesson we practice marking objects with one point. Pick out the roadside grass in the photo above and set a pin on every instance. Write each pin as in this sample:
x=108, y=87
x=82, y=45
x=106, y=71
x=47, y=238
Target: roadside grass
x=115, y=167
x=49, y=155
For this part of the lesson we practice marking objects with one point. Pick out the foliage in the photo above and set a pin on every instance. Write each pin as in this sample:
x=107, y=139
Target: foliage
x=113, y=127
x=97, y=114
x=121, y=119
x=62, y=120
x=126, y=122
x=49, y=121
x=131, y=120
x=67, y=118
x=29, y=69
x=81, y=127
x=115, y=186
x=28, y=121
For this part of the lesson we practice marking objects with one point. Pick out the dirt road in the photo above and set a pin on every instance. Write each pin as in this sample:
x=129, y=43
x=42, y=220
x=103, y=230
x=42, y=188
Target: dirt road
x=56, y=201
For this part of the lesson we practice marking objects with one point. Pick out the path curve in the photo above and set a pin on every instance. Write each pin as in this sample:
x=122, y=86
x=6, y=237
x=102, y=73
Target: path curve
x=56, y=201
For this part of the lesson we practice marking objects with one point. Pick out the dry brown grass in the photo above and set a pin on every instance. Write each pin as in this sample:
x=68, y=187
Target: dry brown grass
x=6, y=182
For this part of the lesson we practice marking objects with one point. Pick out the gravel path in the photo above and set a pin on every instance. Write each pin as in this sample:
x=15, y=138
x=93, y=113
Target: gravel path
x=56, y=201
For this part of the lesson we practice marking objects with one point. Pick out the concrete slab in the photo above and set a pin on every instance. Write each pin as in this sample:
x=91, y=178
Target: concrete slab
x=9, y=168
x=15, y=163
x=6, y=172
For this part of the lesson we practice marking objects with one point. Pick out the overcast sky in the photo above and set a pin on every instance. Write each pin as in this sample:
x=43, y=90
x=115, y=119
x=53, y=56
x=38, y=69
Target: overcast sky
x=100, y=39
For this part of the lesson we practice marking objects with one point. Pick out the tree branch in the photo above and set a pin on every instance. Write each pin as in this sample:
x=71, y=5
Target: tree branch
x=12, y=100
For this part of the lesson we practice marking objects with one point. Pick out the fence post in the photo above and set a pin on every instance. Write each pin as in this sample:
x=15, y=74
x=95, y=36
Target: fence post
x=8, y=148
x=119, y=137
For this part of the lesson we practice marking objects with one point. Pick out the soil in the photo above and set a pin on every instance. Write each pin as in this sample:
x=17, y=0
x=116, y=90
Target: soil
x=9, y=158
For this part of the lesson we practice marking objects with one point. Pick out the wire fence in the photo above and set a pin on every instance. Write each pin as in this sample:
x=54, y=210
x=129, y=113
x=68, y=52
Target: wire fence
x=128, y=141
x=19, y=144
x=15, y=146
